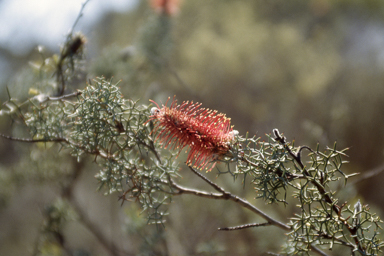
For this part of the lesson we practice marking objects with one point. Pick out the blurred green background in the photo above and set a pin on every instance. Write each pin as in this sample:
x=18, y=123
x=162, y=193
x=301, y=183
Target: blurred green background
x=312, y=69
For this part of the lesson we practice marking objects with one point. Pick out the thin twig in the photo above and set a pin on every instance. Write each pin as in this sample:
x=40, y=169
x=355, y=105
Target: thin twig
x=368, y=174
x=227, y=196
x=49, y=98
x=317, y=250
x=78, y=17
x=33, y=140
x=245, y=226
x=212, y=184
x=183, y=190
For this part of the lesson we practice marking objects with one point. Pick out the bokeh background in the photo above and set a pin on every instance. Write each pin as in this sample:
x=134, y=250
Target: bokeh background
x=313, y=69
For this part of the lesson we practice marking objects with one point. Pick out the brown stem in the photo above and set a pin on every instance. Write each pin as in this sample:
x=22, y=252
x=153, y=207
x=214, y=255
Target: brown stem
x=33, y=140
x=368, y=174
x=245, y=226
x=49, y=98
x=224, y=195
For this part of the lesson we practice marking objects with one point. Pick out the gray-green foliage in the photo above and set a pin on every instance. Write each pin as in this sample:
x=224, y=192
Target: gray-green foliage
x=114, y=130
x=277, y=169
x=98, y=121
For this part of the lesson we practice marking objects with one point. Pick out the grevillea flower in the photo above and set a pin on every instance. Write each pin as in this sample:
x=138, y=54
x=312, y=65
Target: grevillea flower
x=208, y=134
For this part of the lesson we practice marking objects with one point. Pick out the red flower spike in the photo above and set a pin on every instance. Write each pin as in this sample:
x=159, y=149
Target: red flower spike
x=168, y=7
x=207, y=133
